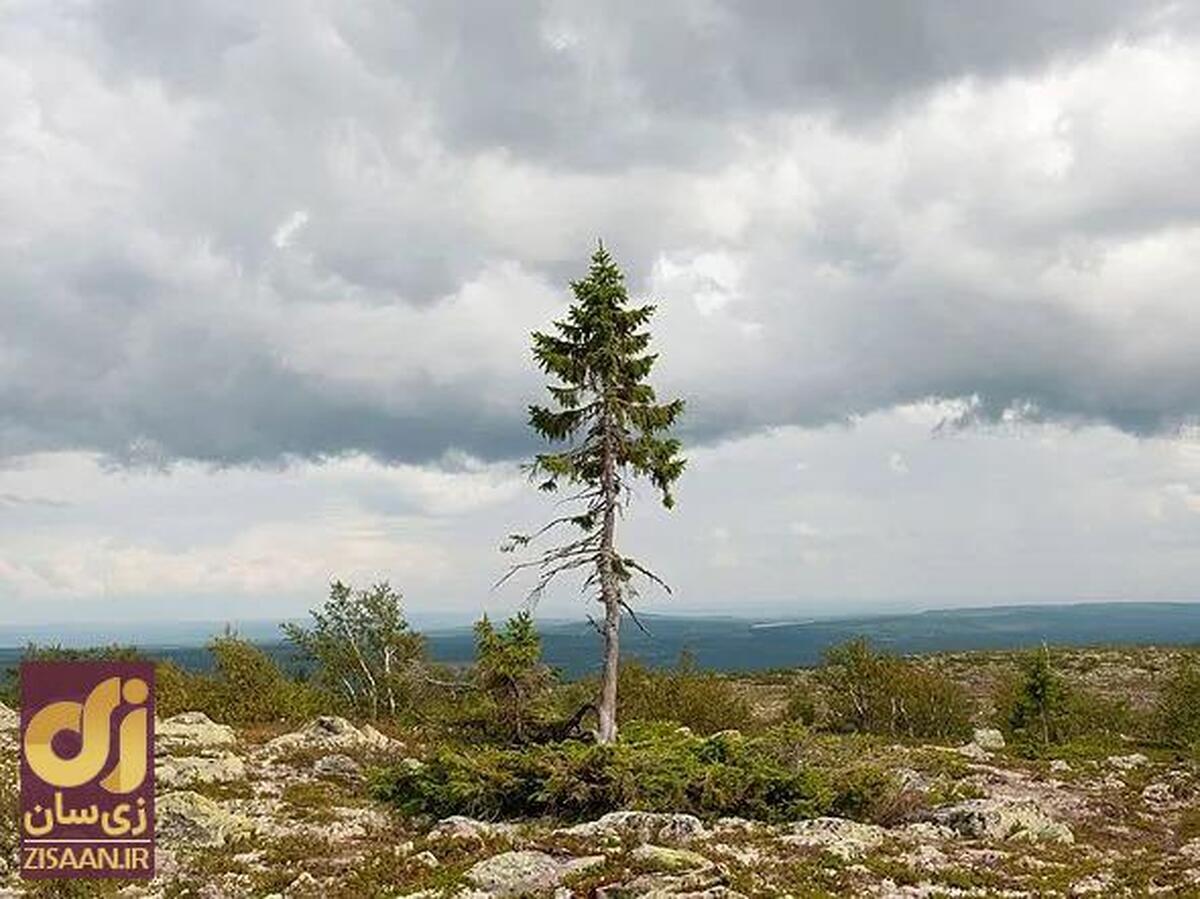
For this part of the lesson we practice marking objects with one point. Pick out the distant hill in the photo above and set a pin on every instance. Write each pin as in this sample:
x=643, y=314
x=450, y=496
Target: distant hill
x=737, y=644
x=729, y=643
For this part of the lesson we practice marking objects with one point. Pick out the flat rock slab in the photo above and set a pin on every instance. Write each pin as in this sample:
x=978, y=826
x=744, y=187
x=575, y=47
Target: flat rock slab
x=187, y=819
x=526, y=873
x=839, y=836
x=644, y=827
x=173, y=773
x=998, y=819
x=192, y=730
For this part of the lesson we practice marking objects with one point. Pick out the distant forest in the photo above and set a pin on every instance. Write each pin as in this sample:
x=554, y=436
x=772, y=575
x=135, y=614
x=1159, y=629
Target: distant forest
x=733, y=644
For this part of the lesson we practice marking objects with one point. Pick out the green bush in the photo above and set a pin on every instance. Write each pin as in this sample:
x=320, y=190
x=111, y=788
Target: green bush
x=1040, y=709
x=651, y=768
x=513, y=685
x=873, y=692
x=247, y=687
x=1176, y=717
x=173, y=690
x=801, y=704
x=704, y=701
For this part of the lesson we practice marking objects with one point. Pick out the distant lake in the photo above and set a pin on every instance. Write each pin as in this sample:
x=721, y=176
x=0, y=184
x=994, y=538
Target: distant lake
x=726, y=643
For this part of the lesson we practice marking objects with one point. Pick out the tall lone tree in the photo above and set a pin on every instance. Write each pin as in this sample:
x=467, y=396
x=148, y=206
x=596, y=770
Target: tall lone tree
x=613, y=429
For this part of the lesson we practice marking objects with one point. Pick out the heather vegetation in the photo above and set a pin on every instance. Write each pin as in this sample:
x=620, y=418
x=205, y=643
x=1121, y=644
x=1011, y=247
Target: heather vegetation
x=873, y=692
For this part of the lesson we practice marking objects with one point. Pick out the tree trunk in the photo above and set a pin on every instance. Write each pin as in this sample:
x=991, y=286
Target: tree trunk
x=609, y=595
x=607, y=710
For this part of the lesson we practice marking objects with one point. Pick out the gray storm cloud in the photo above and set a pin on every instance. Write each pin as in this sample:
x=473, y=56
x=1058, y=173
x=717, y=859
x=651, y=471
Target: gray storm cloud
x=245, y=233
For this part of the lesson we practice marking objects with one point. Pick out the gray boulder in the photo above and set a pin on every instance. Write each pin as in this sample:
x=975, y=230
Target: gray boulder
x=331, y=732
x=988, y=738
x=340, y=766
x=461, y=829
x=526, y=873
x=187, y=819
x=839, y=836
x=668, y=860
x=643, y=827
x=173, y=773
x=192, y=731
x=1002, y=819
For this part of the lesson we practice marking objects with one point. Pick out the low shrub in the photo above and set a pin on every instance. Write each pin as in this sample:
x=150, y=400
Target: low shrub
x=1176, y=716
x=1039, y=709
x=173, y=689
x=512, y=685
x=247, y=687
x=800, y=704
x=651, y=768
x=867, y=691
x=704, y=701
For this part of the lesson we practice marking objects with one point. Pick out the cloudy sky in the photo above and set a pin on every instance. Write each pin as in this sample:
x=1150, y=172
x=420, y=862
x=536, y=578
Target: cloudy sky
x=926, y=275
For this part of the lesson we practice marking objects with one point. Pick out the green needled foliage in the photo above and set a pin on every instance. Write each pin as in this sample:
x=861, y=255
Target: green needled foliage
x=600, y=357
x=613, y=429
x=510, y=673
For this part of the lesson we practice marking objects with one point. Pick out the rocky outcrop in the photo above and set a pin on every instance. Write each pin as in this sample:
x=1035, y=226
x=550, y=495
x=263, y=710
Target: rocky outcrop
x=331, y=733
x=338, y=765
x=1127, y=762
x=668, y=860
x=642, y=827
x=988, y=738
x=846, y=839
x=999, y=819
x=668, y=872
x=525, y=873
x=187, y=819
x=460, y=829
x=172, y=772
x=192, y=731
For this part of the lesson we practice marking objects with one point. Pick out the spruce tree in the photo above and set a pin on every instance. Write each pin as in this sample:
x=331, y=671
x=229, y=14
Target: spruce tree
x=612, y=429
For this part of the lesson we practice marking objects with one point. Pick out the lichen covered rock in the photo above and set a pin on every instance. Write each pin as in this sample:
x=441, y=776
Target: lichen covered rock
x=525, y=873
x=838, y=836
x=192, y=731
x=174, y=773
x=643, y=827
x=1001, y=819
x=187, y=819
x=331, y=732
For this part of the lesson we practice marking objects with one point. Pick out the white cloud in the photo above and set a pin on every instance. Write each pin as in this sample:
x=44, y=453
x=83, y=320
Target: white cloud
x=307, y=246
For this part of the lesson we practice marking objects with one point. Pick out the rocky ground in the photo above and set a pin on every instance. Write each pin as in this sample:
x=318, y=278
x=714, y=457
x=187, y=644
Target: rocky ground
x=289, y=815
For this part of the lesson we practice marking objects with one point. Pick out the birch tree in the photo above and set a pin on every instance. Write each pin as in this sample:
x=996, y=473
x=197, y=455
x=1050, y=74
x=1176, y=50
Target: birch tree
x=363, y=648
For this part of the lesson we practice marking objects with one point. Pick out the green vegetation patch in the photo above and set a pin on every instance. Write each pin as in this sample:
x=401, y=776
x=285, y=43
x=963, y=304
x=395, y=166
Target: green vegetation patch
x=652, y=768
